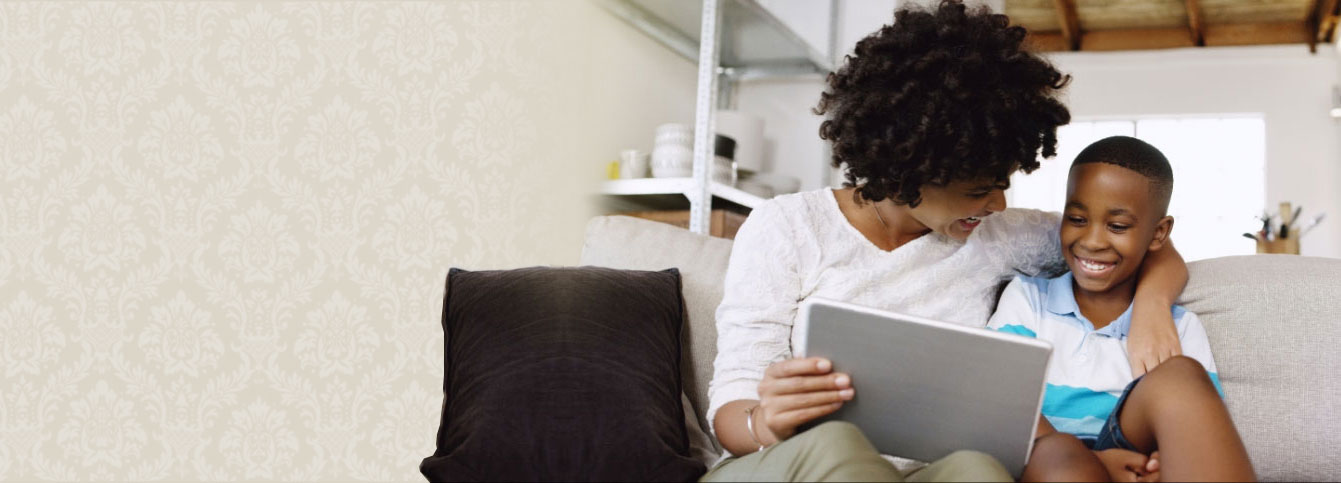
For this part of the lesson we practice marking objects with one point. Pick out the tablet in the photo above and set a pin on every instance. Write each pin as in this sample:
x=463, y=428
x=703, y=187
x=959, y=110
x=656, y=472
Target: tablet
x=925, y=388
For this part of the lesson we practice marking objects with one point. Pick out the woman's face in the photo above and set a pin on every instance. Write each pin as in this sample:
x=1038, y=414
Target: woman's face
x=956, y=209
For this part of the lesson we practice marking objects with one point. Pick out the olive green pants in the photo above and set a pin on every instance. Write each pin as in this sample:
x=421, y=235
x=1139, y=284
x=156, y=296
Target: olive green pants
x=838, y=451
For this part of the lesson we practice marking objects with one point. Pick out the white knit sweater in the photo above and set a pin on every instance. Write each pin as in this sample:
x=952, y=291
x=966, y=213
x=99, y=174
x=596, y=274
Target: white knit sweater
x=798, y=246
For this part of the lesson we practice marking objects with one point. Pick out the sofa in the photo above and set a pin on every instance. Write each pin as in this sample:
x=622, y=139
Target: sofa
x=1271, y=320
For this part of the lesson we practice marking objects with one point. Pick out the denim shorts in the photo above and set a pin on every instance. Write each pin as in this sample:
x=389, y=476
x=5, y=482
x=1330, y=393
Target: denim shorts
x=1110, y=437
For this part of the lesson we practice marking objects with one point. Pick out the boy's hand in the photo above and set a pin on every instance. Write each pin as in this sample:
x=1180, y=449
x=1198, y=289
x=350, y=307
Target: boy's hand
x=1152, y=468
x=1152, y=339
x=1123, y=465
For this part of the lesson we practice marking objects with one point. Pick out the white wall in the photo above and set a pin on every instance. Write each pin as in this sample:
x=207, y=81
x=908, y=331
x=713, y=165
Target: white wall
x=1289, y=86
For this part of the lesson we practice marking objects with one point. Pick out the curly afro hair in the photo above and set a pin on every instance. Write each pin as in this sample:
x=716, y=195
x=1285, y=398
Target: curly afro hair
x=940, y=96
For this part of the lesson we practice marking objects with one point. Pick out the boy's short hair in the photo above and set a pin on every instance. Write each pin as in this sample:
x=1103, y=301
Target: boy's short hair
x=1136, y=155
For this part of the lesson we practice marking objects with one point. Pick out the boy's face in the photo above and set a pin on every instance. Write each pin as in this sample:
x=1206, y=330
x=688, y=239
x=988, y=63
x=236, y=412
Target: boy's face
x=1109, y=223
x=956, y=209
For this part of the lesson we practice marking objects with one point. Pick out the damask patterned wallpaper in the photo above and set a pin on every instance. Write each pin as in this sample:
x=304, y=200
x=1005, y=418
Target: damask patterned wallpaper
x=224, y=227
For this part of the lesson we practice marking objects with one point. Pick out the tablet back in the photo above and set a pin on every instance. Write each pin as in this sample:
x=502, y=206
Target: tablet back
x=925, y=388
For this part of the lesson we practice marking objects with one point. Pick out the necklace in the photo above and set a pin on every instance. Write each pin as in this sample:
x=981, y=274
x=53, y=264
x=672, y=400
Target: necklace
x=885, y=232
x=878, y=217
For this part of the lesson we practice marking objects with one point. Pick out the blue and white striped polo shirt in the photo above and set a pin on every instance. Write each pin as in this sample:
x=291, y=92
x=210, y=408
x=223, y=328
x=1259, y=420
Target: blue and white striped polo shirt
x=1089, y=368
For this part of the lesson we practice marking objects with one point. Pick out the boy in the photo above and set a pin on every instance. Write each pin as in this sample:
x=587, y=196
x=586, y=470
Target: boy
x=1098, y=423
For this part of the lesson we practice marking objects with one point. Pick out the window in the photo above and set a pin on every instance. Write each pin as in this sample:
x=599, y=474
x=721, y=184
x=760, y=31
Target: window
x=1218, y=171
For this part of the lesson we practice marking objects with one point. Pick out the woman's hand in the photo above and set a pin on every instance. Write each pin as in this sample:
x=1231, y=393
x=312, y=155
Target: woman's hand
x=1126, y=465
x=1152, y=338
x=796, y=391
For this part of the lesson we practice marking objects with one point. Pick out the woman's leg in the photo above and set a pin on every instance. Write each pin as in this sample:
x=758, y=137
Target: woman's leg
x=1062, y=457
x=1176, y=410
x=833, y=451
x=963, y=466
x=838, y=451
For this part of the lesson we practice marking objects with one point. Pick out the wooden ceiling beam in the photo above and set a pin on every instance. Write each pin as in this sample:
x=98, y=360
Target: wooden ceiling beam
x=1066, y=17
x=1257, y=34
x=1321, y=22
x=1047, y=42
x=1311, y=24
x=1137, y=39
x=1194, y=22
x=1170, y=38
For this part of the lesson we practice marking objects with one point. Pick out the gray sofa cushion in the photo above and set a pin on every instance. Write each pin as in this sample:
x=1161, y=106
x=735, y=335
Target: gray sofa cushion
x=636, y=244
x=1272, y=321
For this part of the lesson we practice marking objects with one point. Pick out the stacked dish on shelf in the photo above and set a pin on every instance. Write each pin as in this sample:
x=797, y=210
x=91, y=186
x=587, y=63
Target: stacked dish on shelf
x=673, y=154
x=673, y=151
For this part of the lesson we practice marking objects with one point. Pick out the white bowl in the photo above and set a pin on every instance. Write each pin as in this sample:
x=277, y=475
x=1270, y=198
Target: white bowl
x=672, y=161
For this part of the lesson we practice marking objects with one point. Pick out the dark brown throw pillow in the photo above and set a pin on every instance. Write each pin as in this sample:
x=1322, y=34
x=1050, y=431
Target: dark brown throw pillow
x=562, y=374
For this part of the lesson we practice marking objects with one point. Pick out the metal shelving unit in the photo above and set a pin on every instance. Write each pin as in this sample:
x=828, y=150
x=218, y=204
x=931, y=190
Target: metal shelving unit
x=744, y=41
x=678, y=186
x=753, y=44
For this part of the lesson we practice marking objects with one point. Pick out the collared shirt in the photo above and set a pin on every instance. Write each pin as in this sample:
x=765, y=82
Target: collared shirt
x=1089, y=368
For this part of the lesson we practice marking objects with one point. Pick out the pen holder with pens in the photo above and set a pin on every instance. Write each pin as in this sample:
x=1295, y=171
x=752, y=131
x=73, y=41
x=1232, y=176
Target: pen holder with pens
x=1287, y=246
x=1283, y=237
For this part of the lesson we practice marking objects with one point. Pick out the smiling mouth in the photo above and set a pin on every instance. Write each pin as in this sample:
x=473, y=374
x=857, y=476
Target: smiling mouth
x=970, y=222
x=1094, y=267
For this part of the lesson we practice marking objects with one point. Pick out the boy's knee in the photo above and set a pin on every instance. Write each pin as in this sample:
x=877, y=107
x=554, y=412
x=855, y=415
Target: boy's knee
x=1059, y=445
x=1179, y=369
x=1177, y=381
x=1063, y=457
x=1181, y=364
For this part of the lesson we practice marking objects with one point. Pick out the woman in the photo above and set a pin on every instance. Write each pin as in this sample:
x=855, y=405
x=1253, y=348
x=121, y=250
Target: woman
x=928, y=119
